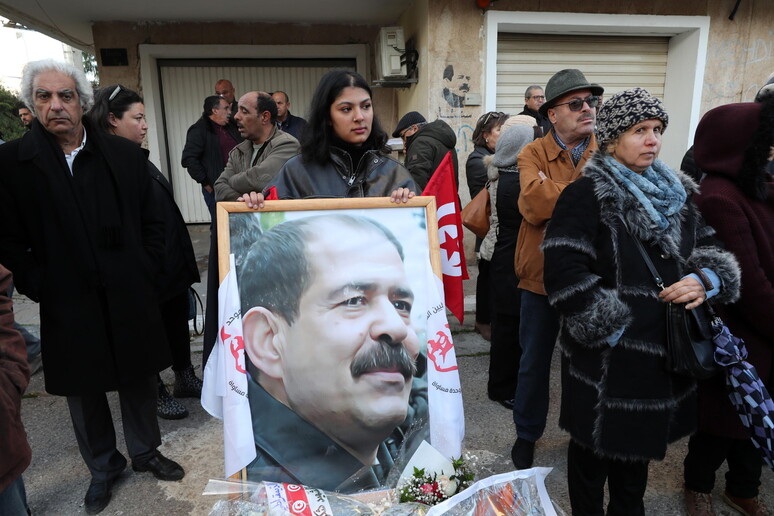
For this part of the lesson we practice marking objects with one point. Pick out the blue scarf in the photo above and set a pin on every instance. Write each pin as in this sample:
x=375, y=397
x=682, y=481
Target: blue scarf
x=658, y=189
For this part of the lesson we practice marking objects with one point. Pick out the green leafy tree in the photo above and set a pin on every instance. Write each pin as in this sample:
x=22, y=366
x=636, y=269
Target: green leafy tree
x=10, y=125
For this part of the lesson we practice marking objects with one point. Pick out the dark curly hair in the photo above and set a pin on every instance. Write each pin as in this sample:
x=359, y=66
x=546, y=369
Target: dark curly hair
x=317, y=139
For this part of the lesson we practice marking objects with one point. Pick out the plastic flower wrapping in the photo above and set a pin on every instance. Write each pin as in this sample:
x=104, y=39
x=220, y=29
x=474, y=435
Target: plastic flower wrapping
x=518, y=493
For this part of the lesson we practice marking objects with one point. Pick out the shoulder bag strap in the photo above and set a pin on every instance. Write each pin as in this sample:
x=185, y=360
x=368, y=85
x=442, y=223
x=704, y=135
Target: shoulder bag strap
x=648, y=262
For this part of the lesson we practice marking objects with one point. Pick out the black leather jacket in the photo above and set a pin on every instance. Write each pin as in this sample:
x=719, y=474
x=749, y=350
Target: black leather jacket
x=376, y=175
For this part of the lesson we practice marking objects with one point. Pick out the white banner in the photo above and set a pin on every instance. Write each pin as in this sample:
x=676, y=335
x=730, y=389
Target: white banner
x=447, y=417
x=224, y=394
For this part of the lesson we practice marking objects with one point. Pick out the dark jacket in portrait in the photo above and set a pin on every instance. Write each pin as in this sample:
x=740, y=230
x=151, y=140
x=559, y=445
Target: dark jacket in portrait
x=202, y=156
x=620, y=401
x=426, y=148
x=290, y=449
x=377, y=175
x=293, y=125
x=88, y=246
x=542, y=121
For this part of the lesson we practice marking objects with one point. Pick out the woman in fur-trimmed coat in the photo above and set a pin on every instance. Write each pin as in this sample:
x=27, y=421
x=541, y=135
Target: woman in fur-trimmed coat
x=619, y=403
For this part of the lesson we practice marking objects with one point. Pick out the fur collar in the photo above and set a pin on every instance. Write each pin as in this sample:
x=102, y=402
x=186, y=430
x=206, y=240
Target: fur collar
x=618, y=204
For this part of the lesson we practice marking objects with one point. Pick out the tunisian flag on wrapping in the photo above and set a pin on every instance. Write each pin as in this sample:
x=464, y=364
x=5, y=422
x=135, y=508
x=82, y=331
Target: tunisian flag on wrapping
x=442, y=186
x=224, y=394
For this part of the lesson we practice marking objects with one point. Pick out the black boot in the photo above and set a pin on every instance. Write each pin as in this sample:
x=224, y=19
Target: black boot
x=168, y=407
x=187, y=385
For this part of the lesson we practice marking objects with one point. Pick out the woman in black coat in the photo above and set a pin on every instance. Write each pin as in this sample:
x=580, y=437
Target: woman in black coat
x=120, y=111
x=619, y=403
x=485, y=137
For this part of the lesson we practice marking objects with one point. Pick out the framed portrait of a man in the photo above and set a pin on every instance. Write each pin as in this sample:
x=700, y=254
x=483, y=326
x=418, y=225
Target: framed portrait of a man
x=334, y=301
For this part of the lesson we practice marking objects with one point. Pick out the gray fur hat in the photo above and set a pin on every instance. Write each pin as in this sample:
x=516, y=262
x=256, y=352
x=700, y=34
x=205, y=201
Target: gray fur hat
x=510, y=143
x=625, y=109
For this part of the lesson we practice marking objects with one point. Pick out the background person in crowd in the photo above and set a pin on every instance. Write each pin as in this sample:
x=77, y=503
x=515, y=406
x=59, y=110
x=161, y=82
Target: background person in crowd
x=620, y=404
x=86, y=245
x=224, y=88
x=498, y=249
x=342, y=131
x=484, y=138
x=331, y=356
x=533, y=99
x=546, y=167
x=426, y=144
x=208, y=143
x=26, y=116
x=286, y=121
x=256, y=161
x=120, y=111
x=733, y=146
x=14, y=376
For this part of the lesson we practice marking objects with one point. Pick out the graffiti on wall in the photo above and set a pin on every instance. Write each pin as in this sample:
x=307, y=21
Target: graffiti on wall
x=455, y=87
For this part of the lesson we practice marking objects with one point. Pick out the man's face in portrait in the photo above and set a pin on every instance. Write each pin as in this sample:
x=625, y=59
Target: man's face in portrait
x=347, y=361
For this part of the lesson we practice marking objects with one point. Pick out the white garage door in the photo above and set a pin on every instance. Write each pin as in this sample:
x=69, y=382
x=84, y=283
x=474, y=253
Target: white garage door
x=186, y=83
x=616, y=63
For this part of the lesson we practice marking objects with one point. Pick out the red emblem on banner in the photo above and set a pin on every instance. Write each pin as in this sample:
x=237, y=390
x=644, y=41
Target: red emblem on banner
x=235, y=345
x=438, y=349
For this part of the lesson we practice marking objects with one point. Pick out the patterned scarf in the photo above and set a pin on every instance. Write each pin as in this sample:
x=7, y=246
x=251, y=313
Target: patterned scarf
x=658, y=189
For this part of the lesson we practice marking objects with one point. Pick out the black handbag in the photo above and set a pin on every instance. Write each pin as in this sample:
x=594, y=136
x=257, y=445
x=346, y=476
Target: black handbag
x=690, y=350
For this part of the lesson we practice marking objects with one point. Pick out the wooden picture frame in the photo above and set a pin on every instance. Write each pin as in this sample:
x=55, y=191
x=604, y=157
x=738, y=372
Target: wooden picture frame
x=414, y=226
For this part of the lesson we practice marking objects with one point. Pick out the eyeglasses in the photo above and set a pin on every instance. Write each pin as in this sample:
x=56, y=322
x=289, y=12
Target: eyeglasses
x=490, y=115
x=115, y=92
x=577, y=104
x=539, y=97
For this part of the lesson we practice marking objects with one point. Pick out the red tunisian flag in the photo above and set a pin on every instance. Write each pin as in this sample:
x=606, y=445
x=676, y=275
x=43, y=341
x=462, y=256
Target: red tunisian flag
x=443, y=187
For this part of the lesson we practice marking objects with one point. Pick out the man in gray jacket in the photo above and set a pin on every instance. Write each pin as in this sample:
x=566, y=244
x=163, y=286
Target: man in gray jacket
x=253, y=163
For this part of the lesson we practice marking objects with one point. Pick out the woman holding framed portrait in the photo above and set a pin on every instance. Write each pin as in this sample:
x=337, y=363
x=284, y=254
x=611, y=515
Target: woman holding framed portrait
x=343, y=150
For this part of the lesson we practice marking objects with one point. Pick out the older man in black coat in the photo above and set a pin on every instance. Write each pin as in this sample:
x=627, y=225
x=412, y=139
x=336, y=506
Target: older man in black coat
x=81, y=236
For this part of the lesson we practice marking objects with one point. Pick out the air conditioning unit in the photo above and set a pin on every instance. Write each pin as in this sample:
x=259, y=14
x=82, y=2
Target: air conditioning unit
x=390, y=47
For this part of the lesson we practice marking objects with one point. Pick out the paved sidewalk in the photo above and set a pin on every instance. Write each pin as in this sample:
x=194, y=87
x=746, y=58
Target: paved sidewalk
x=57, y=478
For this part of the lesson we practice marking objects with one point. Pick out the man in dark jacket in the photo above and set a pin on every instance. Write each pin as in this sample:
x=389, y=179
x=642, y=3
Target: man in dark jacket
x=82, y=236
x=207, y=145
x=14, y=375
x=286, y=121
x=533, y=99
x=426, y=144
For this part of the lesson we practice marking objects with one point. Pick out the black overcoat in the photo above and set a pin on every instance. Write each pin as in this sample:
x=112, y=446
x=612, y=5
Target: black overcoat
x=620, y=401
x=88, y=247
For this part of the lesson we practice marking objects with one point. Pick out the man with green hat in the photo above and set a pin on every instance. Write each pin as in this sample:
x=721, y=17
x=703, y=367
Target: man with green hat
x=546, y=167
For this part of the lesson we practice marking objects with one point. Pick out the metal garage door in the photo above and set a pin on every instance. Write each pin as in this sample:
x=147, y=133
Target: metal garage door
x=186, y=83
x=614, y=62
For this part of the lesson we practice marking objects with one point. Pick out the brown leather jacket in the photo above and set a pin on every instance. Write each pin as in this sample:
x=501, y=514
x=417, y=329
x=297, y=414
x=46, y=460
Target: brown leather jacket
x=537, y=200
x=15, y=453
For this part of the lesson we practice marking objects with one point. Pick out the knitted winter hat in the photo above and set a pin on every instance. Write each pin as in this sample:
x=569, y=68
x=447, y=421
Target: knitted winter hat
x=409, y=119
x=510, y=143
x=625, y=109
x=518, y=120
